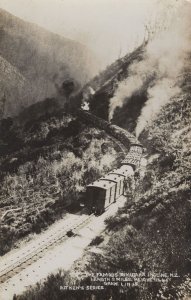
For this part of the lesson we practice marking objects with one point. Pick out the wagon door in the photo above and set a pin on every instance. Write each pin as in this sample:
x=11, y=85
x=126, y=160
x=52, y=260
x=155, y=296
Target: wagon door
x=113, y=193
x=107, y=197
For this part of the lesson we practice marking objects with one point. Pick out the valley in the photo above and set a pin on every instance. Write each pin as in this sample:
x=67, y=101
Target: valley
x=64, y=126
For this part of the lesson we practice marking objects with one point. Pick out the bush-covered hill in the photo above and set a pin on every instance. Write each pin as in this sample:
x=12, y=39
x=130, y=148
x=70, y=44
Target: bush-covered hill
x=152, y=233
x=45, y=165
x=40, y=60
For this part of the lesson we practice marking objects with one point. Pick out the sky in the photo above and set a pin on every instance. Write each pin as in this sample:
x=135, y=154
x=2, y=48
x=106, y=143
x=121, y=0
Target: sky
x=110, y=28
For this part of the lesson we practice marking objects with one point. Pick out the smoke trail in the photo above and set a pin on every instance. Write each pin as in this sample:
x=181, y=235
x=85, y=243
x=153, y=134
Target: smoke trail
x=158, y=96
x=88, y=93
x=124, y=91
x=163, y=61
x=170, y=52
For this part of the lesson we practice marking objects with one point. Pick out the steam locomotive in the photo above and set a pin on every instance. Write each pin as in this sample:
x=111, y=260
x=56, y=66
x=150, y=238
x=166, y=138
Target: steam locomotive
x=106, y=190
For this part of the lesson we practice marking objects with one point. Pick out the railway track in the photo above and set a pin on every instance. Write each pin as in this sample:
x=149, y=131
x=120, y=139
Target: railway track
x=38, y=251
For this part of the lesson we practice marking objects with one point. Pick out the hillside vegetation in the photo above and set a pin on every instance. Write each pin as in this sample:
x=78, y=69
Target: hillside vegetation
x=152, y=232
x=147, y=92
x=45, y=165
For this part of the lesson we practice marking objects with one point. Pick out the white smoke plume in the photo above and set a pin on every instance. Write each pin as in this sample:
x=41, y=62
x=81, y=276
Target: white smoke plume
x=164, y=60
x=87, y=96
x=125, y=90
x=158, y=96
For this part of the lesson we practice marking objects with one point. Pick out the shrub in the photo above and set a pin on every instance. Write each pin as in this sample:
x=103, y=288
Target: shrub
x=97, y=240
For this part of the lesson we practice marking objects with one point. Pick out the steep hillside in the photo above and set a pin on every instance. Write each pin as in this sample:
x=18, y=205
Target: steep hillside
x=11, y=88
x=46, y=161
x=105, y=84
x=132, y=90
x=44, y=61
x=151, y=234
x=149, y=240
x=45, y=164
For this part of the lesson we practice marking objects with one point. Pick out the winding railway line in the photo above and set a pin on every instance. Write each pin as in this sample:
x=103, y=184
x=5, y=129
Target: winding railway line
x=124, y=140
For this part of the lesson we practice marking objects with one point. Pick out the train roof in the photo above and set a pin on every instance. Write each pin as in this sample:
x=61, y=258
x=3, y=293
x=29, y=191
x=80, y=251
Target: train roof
x=136, y=143
x=126, y=168
x=112, y=177
x=102, y=184
x=123, y=171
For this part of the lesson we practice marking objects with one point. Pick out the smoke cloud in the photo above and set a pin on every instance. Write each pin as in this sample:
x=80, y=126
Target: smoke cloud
x=163, y=62
x=125, y=90
x=158, y=96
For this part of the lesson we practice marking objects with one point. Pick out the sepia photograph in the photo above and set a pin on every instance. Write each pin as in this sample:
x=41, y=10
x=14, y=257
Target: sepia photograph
x=95, y=150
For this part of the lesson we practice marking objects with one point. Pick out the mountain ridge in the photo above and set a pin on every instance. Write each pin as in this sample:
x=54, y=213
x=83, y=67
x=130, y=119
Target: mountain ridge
x=43, y=58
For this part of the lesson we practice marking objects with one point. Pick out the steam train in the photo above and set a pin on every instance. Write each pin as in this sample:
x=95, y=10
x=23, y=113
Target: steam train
x=119, y=133
x=106, y=190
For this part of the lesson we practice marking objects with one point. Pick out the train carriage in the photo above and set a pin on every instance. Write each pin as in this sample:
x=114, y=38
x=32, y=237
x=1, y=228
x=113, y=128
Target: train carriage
x=105, y=191
x=124, y=171
x=118, y=179
x=100, y=194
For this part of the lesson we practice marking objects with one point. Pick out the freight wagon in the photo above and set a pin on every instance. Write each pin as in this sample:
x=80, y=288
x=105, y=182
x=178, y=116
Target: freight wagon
x=105, y=191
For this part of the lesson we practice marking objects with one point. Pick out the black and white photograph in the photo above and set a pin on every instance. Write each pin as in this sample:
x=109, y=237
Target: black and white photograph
x=95, y=150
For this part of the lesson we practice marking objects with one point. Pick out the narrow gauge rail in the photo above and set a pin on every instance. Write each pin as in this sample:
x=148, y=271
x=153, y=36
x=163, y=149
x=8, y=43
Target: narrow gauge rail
x=36, y=254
